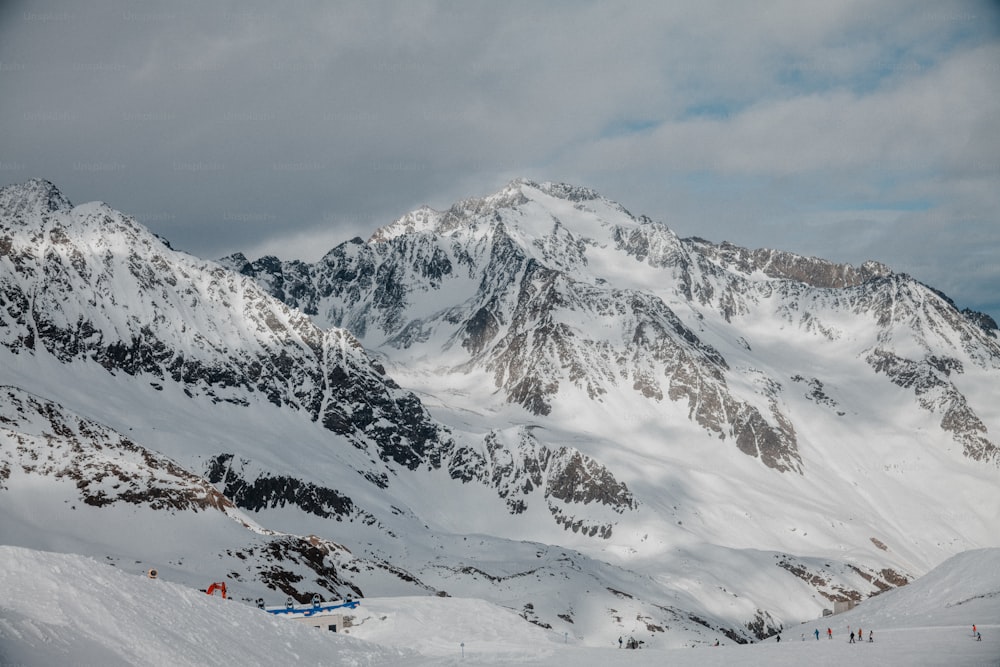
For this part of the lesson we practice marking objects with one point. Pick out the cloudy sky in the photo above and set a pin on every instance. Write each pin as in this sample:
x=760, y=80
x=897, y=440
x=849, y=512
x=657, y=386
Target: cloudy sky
x=847, y=130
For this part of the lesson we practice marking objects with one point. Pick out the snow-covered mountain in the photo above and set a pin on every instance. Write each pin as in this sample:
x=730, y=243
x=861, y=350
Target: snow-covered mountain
x=533, y=398
x=560, y=296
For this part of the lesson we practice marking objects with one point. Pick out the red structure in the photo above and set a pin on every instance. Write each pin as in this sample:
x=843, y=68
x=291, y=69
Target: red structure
x=217, y=586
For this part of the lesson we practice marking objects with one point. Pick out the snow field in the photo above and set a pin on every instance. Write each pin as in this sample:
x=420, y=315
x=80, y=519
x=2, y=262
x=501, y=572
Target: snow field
x=68, y=609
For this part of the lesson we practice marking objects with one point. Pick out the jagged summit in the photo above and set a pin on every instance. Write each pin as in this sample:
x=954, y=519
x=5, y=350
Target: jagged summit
x=36, y=194
x=539, y=204
x=92, y=228
x=564, y=190
x=517, y=193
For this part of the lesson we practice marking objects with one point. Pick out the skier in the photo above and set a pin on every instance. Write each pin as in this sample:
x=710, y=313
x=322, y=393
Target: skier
x=852, y=638
x=619, y=642
x=829, y=633
x=979, y=637
x=871, y=636
x=973, y=629
x=817, y=634
x=861, y=635
x=779, y=639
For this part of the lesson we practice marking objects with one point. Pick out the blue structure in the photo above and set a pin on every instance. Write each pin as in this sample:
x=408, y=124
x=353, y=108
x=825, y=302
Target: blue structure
x=317, y=608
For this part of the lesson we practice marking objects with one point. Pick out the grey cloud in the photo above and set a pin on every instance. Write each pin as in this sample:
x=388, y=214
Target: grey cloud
x=259, y=126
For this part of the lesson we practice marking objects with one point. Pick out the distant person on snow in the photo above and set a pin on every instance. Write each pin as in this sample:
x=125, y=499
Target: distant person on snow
x=861, y=635
x=829, y=633
x=817, y=634
x=852, y=638
x=779, y=639
x=619, y=642
x=871, y=636
x=979, y=637
x=973, y=629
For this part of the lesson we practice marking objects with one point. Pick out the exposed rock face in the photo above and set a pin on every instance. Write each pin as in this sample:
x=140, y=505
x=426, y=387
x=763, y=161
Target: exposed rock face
x=43, y=441
x=828, y=579
x=529, y=285
x=173, y=319
x=255, y=492
x=40, y=438
x=116, y=295
x=928, y=380
x=789, y=266
x=517, y=465
x=534, y=299
x=984, y=321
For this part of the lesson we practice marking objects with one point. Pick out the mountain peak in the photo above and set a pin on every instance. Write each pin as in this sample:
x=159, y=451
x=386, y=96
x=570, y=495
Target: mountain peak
x=517, y=192
x=565, y=191
x=423, y=219
x=36, y=194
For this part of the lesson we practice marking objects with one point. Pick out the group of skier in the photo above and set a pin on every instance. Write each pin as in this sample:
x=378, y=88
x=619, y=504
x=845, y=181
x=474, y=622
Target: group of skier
x=856, y=636
x=861, y=635
x=829, y=635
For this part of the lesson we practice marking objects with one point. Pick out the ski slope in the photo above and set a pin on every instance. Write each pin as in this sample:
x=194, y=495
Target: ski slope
x=62, y=609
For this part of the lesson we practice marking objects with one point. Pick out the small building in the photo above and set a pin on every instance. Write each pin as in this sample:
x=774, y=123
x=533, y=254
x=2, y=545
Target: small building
x=331, y=622
x=840, y=606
